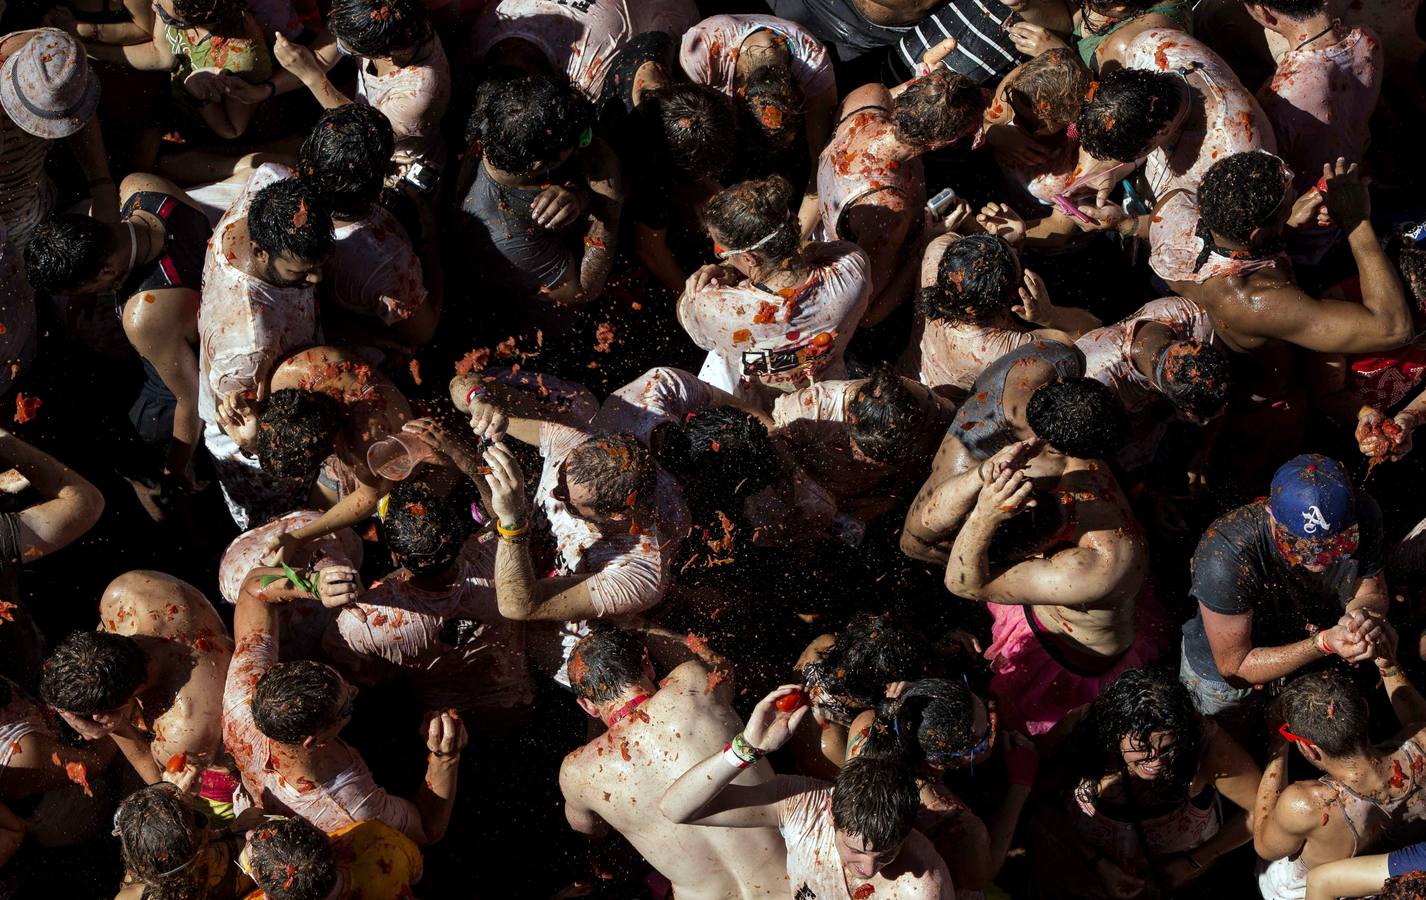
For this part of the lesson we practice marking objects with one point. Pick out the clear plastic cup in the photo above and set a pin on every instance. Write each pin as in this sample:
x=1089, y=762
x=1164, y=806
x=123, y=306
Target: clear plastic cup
x=393, y=457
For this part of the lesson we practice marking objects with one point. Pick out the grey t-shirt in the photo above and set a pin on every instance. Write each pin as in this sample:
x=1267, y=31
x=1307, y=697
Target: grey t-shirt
x=509, y=247
x=1237, y=569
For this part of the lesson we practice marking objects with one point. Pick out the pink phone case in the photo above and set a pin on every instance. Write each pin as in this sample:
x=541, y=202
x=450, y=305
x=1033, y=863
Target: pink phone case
x=1070, y=209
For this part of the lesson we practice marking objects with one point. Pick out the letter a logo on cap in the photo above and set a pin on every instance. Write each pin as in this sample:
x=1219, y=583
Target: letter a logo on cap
x=1313, y=520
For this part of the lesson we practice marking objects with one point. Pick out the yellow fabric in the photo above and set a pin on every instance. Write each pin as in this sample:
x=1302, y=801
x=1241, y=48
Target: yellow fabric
x=378, y=862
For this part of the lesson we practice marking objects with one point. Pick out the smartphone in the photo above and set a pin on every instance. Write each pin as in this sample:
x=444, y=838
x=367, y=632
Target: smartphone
x=422, y=177
x=938, y=205
x=1071, y=210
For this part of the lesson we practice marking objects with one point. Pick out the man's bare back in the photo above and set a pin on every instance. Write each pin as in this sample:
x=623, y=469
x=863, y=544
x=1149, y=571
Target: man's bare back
x=180, y=631
x=621, y=775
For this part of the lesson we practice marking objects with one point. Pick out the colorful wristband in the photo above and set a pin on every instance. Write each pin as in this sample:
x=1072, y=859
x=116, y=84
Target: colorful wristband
x=745, y=750
x=473, y=393
x=511, y=533
x=1319, y=640
x=731, y=757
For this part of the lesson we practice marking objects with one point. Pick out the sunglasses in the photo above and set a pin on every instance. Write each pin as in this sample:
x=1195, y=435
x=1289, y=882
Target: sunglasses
x=1291, y=738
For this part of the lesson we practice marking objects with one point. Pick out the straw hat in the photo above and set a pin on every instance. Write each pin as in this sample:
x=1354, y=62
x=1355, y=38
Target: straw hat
x=47, y=87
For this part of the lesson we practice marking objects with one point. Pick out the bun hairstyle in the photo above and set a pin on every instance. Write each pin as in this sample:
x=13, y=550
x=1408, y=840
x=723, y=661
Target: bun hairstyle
x=748, y=212
x=931, y=722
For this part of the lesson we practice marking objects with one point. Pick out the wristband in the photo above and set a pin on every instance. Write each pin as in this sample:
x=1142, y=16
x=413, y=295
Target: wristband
x=731, y=757
x=473, y=393
x=511, y=533
x=1390, y=671
x=1021, y=764
x=745, y=750
x=1319, y=640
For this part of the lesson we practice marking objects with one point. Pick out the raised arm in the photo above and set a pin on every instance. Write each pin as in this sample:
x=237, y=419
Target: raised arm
x=1240, y=663
x=947, y=497
x=706, y=794
x=1284, y=815
x=606, y=202
x=69, y=507
x=496, y=409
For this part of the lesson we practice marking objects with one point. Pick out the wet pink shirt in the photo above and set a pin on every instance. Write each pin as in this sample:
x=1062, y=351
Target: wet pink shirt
x=1320, y=103
x=710, y=49
x=454, y=645
x=246, y=325
x=414, y=98
x=374, y=270
x=352, y=796
x=818, y=319
x=1231, y=121
x=580, y=37
x=955, y=353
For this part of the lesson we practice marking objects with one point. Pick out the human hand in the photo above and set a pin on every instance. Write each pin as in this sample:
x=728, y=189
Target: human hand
x=1348, y=202
x=281, y=548
x=951, y=222
x=1345, y=640
x=488, y=420
x=182, y=774
x=999, y=219
x=1104, y=216
x=1016, y=456
x=296, y=58
x=1004, y=496
x=1308, y=210
x=556, y=207
x=1032, y=40
x=243, y=91
x=337, y=586
x=84, y=726
x=769, y=727
x=446, y=736
x=1034, y=306
x=1402, y=439
x=713, y=273
x=1370, y=438
x=934, y=56
x=1016, y=145
x=446, y=449
x=507, y=486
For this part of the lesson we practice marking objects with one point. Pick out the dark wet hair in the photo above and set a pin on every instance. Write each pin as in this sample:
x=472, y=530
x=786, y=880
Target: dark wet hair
x=1240, y=193
x=884, y=418
x=1197, y=377
x=871, y=652
x=931, y=722
x=292, y=859
x=1296, y=10
x=161, y=836
x=93, y=672
x=206, y=12
x=296, y=431
x=774, y=104
x=1028, y=531
x=1079, y=417
x=376, y=28
x=617, y=467
x=745, y=213
x=424, y=530
x=876, y=799
x=1054, y=83
x=1406, y=886
x=295, y=700
x=289, y=218
x=1139, y=702
x=936, y=108
x=347, y=156
x=720, y=455
x=605, y=662
x=1409, y=258
x=1328, y=710
x=1133, y=9
x=1129, y=107
x=528, y=120
x=67, y=251
x=977, y=281
x=694, y=126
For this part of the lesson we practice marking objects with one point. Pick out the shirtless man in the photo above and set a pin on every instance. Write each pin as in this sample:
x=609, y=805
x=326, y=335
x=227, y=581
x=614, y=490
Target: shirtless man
x=282, y=722
x=841, y=838
x=1081, y=421
x=154, y=254
x=870, y=181
x=151, y=677
x=617, y=779
x=1075, y=568
x=1366, y=791
x=258, y=306
x=326, y=402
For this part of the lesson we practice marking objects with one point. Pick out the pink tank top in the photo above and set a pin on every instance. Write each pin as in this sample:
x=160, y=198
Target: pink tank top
x=845, y=176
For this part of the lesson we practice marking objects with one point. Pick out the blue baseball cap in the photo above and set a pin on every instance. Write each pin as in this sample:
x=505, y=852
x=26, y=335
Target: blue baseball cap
x=1312, y=498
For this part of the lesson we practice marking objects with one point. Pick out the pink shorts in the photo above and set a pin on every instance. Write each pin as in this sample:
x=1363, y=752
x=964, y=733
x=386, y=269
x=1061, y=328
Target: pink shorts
x=1035, y=685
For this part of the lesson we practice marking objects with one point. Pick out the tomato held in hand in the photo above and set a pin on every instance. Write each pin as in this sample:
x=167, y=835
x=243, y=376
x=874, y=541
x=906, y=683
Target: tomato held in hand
x=1322, y=185
x=789, y=702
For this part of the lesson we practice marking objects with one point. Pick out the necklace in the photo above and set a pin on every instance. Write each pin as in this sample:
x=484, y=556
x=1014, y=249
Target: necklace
x=1331, y=27
x=626, y=709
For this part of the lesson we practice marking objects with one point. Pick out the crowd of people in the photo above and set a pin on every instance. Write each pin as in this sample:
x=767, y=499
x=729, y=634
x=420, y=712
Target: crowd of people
x=713, y=449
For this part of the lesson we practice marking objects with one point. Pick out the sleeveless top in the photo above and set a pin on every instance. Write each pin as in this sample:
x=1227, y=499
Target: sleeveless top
x=1178, y=10
x=980, y=424
x=185, y=242
x=955, y=353
x=1392, y=822
x=845, y=177
x=1121, y=832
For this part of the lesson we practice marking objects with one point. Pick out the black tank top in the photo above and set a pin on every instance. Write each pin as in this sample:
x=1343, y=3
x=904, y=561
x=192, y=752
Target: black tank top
x=180, y=265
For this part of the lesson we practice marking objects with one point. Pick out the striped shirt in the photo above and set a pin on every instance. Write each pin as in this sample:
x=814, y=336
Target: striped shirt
x=26, y=194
